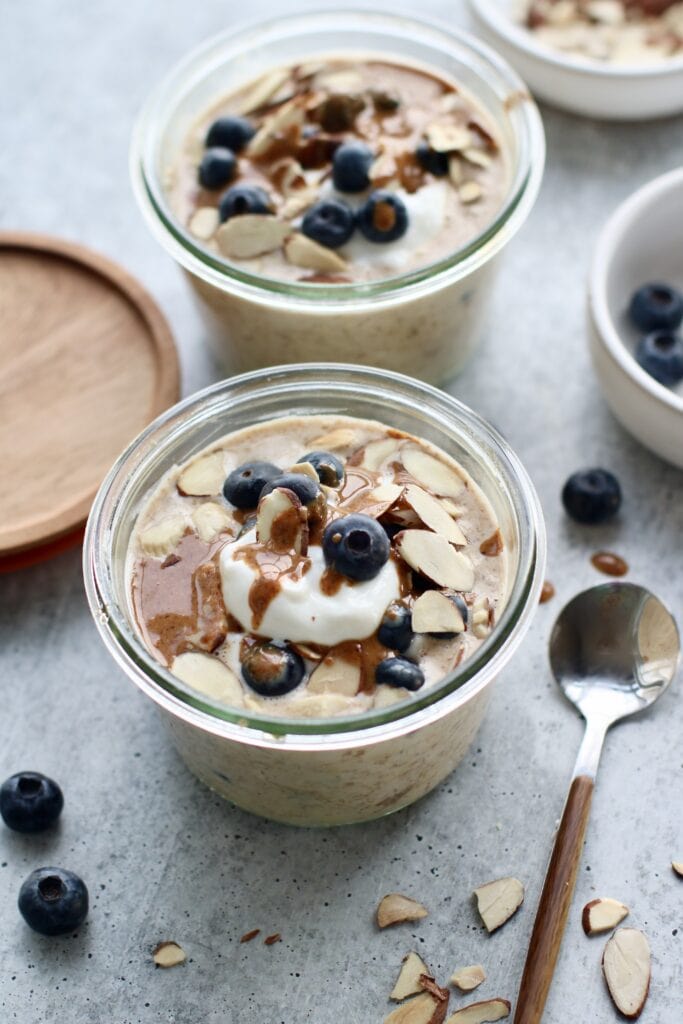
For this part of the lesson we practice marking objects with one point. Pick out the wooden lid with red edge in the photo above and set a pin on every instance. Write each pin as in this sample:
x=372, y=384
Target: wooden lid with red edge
x=88, y=360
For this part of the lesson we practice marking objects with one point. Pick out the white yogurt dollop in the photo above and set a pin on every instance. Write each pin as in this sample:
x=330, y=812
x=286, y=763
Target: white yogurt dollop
x=300, y=611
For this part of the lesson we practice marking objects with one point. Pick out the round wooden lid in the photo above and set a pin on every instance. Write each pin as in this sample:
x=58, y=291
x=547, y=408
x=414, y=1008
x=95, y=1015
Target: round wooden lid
x=87, y=361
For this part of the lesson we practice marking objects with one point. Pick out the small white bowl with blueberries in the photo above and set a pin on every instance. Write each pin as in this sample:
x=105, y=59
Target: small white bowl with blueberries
x=636, y=315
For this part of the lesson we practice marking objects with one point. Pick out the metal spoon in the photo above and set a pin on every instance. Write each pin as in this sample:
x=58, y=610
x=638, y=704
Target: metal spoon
x=613, y=650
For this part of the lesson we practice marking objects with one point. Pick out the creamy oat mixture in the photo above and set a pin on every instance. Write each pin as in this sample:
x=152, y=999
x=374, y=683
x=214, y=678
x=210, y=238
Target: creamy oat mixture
x=404, y=597
x=429, y=177
x=625, y=32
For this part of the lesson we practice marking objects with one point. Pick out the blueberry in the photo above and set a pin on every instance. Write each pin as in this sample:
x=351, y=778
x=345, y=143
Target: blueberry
x=243, y=486
x=217, y=168
x=271, y=668
x=230, y=132
x=396, y=628
x=399, y=672
x=305, y=487
x=435, y=163
x=350, y=165
x=591, y=495
x=661, y=355
x=383, y=217
x=356, y=546
x=330, y=222
x=30, y=802
x=243, y=199
x=53, y=901
x=656, y=307
x=329, y=468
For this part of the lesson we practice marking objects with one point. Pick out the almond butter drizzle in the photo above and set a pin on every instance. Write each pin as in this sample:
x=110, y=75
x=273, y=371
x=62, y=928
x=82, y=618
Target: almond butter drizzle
x=270, y=568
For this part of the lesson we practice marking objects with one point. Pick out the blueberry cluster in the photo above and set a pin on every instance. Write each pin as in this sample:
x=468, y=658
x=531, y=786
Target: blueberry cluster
x=657, y=311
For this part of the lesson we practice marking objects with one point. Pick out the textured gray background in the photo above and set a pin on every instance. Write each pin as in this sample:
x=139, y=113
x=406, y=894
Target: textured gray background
x=163, y=857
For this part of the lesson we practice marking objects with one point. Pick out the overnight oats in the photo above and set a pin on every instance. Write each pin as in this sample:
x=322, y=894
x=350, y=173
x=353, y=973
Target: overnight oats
x=341, y=192
x=316, y=573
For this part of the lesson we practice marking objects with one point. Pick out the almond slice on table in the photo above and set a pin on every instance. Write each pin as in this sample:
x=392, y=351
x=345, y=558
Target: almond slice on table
x=497, y=901
x=602, y=915
x=304, y=252
x=423, y=1009
x=468, y=978
x=209, y=675
x=626, y=967
x=204, y=477
x=434, y=612
x=168, y=954
x=481, y=1013
x=210, y=520
x=434, y=515
x=282, y=522
x=677, y=866
x=435, y=558
x=335, y=675
x=408, y=981
x=395, y=908
x=432, y=473
x=250, y=235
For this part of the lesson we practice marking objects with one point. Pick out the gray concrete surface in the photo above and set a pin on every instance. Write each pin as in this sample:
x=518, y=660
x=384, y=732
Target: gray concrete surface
x=163, y=857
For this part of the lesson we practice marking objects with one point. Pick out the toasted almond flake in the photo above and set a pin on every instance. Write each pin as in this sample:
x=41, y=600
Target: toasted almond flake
x=677, y=866
x=455, y=172
x=335, y=675
x=428, y=984
x=204, y=477
x=204, y=222
x=434, y=612
x=394, y=908
x=497, y=901
x=408, y=981
x=449, y=103
x=263, y=90
x=445, y=138
x=476, y=156
x=468, y=978
x=248, y=936
x=288, y=175
x=168, y=954
x=434, y=515
x=336, y=440
x=281, y=521
x=481, y=617
x=289, y=115
x=481, y=1013
x=470, y=191
x=160, y=539
x=209, y=675
x=210, y=520
x=374, y=503
x=270, y=940
x=306, y=469
x=432, y=473
x=297, y=203
x=377, y=452
x=345, y=81
x=306, y=651
x=435, y=558
x=385, y=696
x=383, y=169
x=602, y=915
x=453, y=510
x=626, y=967
x=251, y=234
x=606, y=12
x=304, y=252
x=423, y=1009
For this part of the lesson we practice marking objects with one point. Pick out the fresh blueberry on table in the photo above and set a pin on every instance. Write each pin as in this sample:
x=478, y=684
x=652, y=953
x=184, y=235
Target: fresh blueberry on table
x=272, y=668
x=217, y=167
x=329, y=222
x=231, y=133
x=656, y=307
x=592, y=495
x=30, y=802
x=53, y=901
x=329, y=468
x=661, y=355
x=430, y=160
x=350, y=165
x=399, y=672
x=241, y=199
x=242, y=488
x=356, y=546
x=396, y=628
x=305, y=487
x=383, y=217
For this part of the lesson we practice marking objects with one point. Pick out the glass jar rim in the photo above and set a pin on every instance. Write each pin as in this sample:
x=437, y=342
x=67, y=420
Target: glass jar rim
x=128, y=649
x=332, y=299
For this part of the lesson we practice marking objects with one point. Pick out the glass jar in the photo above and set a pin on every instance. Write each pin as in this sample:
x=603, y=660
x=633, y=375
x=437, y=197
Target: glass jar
x=317, y=771
x=425, y=323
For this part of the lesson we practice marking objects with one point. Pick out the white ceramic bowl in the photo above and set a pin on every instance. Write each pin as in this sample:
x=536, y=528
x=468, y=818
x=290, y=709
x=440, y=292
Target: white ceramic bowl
x=581, y=86
x=641, y=242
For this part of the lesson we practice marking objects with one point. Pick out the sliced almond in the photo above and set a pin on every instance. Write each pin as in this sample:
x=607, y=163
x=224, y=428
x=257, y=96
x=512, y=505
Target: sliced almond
x=468, y=978
x=481, y=1013
x=434, y=515
x=626, y=966
x=423, y=1009
x=408, y=981
x=447, y=138
x=375, y=503
x=470, y=191
x=204, y=222
x=385, y=696
x=396, y=908
x=602, y=915
x=210, y=520
x=168, y=954
x=281, y=521
x=335, y=675
x=304, y=252
x=433, y=474
x=478, y=157
x=435, y=558
x=340, y=81
x=336, y=440
x=428, y=984
x=455, y=172
x=306, y=651
x=453, y=510
x=497, y=901
x=204, y=477
x=383, y=169
x=677, y=866
x=251, y=234
x=209, y=675
x=307, y=469
x=434, y=612
x=263, y=90
x=287, y=175
x=289, y=115
x=481, y=618
x=297, y=203
x=377, y=452
x=160, y=539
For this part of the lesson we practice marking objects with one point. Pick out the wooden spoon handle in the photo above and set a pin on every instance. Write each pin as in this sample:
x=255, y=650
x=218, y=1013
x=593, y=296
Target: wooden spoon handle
x=553, y=908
